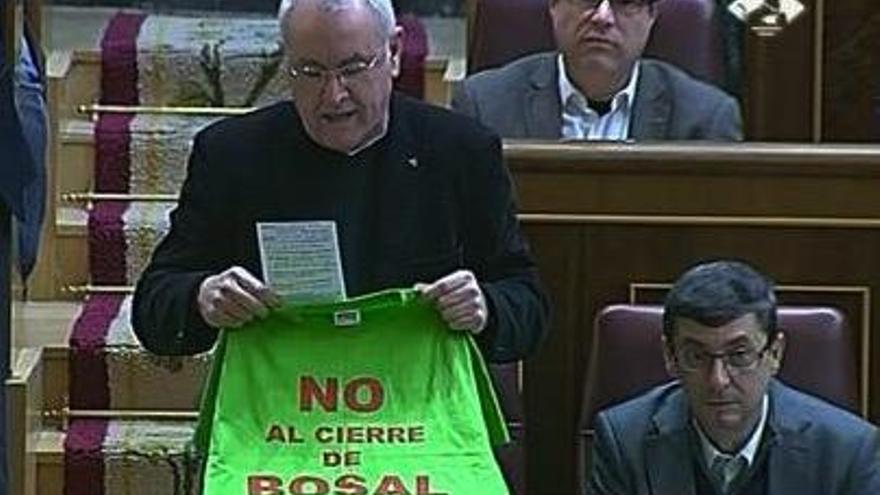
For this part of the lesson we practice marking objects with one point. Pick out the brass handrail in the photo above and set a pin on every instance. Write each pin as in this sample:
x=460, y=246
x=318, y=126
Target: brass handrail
x=96, y=109
x=98, y=289
x=66, y=414
x=88, y=197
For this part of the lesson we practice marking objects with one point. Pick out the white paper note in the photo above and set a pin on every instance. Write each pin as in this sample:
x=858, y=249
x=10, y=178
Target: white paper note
x=301, y=260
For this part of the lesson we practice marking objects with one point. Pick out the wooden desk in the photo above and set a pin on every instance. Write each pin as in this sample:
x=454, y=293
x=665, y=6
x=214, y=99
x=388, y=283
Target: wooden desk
x=612, y=223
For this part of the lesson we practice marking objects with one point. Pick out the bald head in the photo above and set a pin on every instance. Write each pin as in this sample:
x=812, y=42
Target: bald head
x=382, y=11
x=343, y=59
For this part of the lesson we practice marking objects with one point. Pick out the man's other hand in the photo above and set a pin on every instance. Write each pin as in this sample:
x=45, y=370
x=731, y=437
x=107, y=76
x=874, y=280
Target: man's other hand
x=459, y=299
x=234, y=297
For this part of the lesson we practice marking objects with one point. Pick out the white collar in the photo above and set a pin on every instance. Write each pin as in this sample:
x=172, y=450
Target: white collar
x=749, y=450
x=371, y=141
x=568, y=90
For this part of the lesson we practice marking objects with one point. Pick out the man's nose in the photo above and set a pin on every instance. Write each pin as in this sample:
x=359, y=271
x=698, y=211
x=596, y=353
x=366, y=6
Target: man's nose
x=719, y=377
x=603, y=12
x=334, y=87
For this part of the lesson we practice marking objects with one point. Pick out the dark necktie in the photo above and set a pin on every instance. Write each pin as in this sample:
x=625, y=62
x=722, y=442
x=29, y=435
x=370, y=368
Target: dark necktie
x=600, y=107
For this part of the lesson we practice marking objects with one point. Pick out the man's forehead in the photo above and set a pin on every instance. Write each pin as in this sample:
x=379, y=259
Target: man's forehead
x=745, y=327
x=342, y=34
x=324, y=18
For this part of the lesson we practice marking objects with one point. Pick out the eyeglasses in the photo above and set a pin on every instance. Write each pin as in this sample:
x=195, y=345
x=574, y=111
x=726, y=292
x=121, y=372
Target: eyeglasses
x=627, y=7
x=318, y=75
x=692, y=358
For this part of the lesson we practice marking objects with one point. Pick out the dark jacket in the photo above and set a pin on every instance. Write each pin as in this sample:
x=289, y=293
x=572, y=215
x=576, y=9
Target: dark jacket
x=813, y=448
x=521, y=100
x=443, y=200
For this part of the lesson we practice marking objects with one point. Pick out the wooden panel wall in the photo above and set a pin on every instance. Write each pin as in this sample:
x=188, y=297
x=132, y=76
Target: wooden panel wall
x=851, y=86
x=818, y=79
x=778, y=97
x=604, y=218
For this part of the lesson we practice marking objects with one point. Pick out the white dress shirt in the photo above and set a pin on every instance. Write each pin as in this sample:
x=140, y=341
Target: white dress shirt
x=579, y=121
x=734, y=464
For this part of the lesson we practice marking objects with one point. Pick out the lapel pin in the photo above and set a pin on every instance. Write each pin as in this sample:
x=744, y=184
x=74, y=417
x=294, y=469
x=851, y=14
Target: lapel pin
x=413, y=162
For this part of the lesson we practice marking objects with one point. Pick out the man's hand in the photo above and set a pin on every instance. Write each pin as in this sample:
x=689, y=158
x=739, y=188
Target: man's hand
x=234, y=297
x=460, y=300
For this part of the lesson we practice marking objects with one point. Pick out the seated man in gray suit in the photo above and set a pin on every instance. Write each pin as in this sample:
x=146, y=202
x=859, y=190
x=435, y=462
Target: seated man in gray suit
x=598, y=86
x=726, y=426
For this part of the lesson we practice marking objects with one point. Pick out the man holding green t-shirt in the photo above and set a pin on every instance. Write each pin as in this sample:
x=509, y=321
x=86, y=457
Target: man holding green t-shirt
x=420, y=197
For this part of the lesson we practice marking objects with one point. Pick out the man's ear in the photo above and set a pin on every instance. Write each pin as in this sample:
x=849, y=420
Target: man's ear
x=777, y=350
x=669, y=357
x=396, y=47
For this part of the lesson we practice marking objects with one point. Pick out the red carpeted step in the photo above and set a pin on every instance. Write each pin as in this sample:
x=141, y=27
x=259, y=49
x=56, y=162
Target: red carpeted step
x=129, y=457
x=109, y=370
x=122, y=237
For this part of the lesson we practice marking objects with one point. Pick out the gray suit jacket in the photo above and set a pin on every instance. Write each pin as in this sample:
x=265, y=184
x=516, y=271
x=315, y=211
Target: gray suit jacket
x=643, y=447
x=521, y=100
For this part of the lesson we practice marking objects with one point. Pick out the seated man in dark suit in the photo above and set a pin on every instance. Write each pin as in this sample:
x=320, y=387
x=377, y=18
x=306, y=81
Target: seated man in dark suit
x=727, y=426
x=598, y=86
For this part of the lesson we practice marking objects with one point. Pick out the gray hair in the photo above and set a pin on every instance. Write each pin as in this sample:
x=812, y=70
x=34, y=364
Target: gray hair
x=382, y=10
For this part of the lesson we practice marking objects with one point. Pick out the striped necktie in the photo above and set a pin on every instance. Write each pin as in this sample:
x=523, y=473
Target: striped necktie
x=726, y=469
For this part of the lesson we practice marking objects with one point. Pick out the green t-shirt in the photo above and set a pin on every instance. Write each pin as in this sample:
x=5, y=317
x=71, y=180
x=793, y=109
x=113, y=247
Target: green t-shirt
x=374, y=395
